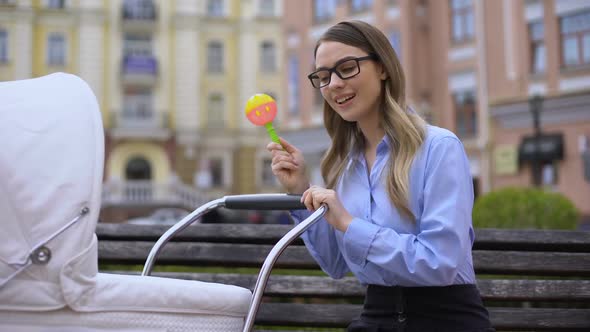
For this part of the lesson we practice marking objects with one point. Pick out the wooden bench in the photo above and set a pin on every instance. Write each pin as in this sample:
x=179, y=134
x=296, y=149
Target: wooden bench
x=529, y=279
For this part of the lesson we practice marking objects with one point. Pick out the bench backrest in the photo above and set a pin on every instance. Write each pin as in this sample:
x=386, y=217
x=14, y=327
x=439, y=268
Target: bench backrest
x=529, y=279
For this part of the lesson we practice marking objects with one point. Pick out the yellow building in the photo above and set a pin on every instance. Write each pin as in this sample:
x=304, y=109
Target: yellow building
x=172, y=79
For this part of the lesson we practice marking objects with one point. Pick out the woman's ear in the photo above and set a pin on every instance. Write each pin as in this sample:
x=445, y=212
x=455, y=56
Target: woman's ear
x=382, y=73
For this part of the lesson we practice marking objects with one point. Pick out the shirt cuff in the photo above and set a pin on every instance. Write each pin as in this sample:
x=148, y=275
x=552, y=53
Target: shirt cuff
x=357, y=240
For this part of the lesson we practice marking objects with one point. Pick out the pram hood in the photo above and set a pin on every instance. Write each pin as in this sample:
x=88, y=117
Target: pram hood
x=51, y=169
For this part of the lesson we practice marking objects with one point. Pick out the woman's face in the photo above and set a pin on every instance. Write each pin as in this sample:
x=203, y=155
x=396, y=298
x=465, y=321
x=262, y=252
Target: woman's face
x=355, y=99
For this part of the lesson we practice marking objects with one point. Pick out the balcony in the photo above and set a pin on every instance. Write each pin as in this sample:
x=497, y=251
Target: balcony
x=140, y=193
x=139, y=70
x=145, y=124
x=140, y=18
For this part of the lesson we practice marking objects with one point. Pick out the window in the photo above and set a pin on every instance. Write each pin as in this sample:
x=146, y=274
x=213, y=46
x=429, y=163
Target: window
x=3, y=46
x=293, y=85
x=462, y=20
x=268, y=179
x=137, y=45
x=465, y=114
x=139, y=9
x=268, y=57
x=267, y=7
x=137, y=55
x=215, y=111
x=394, y=37
x=360, y=5
x=537, y=47
x=137, y=105
x=56, y=4
x=215, y=8
x=323, y=9
x=56, y=49
x=575, y=39
x=215, y=57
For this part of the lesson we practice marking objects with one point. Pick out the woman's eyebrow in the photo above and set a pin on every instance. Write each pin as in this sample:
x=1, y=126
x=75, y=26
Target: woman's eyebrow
x=346, y=58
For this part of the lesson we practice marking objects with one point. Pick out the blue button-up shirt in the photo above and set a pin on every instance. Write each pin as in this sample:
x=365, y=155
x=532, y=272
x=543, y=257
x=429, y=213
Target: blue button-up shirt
x=383, y=247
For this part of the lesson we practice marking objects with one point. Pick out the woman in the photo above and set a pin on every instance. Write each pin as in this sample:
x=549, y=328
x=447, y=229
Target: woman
x=399, y=193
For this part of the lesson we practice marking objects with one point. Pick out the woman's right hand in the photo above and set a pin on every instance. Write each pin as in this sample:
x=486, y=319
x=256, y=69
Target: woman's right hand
x=288, y=166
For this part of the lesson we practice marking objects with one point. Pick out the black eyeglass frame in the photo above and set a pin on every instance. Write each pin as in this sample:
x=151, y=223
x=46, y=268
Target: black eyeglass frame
x=333, y=69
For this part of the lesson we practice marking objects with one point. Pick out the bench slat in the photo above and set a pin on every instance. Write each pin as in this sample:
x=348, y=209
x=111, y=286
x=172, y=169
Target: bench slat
x=532, y=240
x=339, y=315
x=229, y=233
x=199, y=254
x=496, y=239
x=319, y=286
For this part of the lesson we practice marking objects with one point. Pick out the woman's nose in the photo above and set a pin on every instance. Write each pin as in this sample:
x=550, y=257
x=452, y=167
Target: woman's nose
x=335, y=81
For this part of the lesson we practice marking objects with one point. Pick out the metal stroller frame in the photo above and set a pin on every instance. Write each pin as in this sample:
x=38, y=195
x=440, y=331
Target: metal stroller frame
x=246, y=202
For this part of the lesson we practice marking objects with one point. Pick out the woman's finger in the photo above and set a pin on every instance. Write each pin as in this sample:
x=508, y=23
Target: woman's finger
x=283, y=165
x=287, y=146
x=271, y=146
x=308, y=200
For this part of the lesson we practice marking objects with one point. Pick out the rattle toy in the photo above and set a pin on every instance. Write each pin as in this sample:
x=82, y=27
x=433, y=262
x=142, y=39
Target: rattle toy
x=261, y=109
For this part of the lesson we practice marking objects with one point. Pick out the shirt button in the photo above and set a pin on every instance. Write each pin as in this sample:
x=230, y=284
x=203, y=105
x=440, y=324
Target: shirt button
x=401, y=318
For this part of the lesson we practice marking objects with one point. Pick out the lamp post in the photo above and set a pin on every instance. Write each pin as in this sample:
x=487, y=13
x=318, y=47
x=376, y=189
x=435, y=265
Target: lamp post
x=535, y=105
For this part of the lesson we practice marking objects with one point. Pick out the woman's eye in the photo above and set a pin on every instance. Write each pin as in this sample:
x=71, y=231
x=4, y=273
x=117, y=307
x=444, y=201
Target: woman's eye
x=323, y=77
x=347, y=69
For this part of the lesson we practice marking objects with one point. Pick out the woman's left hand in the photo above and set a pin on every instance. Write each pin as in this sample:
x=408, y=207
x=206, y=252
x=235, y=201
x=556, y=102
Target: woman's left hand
x=337, y=215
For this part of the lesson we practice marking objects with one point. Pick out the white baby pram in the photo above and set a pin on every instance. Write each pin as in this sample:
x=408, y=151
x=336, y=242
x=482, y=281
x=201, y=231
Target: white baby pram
x=51, y=170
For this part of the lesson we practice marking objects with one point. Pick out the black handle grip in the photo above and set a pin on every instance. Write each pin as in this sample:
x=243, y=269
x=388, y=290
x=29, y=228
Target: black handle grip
x=264, y=202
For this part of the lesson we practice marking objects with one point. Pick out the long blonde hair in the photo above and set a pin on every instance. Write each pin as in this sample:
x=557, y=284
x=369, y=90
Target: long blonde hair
x=405, y=129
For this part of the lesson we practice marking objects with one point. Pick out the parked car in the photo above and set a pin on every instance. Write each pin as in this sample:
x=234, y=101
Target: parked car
x=162, y=216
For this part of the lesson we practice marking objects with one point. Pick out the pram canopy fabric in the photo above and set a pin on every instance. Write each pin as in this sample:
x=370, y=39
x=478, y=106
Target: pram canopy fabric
x=51, y=171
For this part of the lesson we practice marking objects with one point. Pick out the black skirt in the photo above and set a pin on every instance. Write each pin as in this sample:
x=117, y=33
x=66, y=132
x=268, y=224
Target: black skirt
x=456, y=308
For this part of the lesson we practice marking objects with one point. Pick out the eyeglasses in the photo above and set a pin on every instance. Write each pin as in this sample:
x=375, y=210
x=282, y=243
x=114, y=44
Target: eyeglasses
x=345, y=69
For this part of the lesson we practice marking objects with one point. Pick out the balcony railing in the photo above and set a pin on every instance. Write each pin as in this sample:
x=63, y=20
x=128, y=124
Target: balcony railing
x=147, y=13
x=149, y=119
x=139, y=69
x=146, y=124
x=140, y=17
x=150, y=193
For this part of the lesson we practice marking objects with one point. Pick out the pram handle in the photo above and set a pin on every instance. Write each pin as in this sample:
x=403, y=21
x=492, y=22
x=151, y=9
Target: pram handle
x=247, y=202
x=264, y=202
x=259, y=202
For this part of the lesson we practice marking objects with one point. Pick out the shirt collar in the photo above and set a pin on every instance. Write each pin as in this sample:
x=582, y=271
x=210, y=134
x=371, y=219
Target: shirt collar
x=354, y=156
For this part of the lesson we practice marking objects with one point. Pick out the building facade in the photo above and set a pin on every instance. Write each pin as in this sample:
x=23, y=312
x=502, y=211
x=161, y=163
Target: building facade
x=541, y=69
x=471, y=66
x=172, y=79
